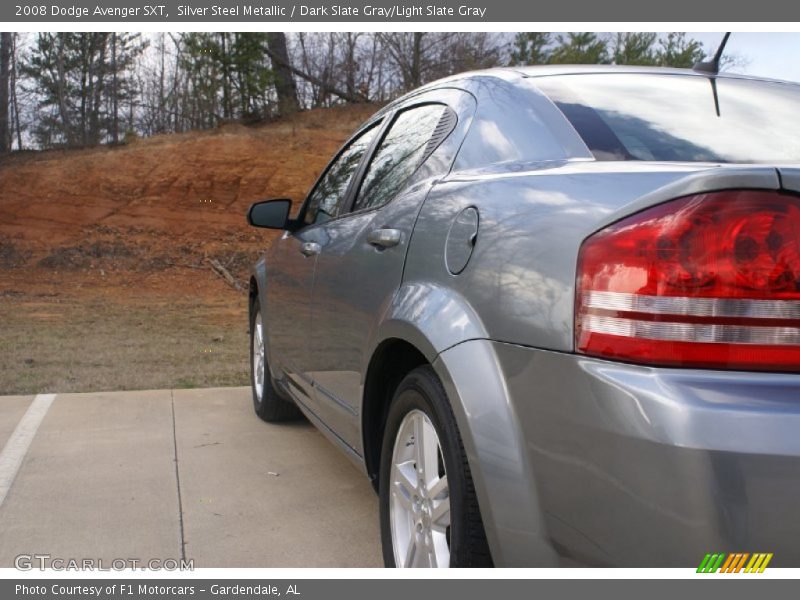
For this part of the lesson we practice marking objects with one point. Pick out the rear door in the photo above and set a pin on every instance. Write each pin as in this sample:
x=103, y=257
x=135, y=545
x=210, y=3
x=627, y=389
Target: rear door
x=291, y=265
x=360, y=265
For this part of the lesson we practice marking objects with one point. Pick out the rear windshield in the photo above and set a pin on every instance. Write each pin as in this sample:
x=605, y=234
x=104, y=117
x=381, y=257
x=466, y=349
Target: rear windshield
x=680, y=117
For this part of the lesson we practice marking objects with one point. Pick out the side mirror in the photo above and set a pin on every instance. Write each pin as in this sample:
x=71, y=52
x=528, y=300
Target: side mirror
x=272, y=214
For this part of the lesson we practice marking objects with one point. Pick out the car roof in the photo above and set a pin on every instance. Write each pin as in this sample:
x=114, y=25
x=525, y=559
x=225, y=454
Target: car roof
x=551, y=70
x=533, y=71
x=548, y=70
x=511, y=73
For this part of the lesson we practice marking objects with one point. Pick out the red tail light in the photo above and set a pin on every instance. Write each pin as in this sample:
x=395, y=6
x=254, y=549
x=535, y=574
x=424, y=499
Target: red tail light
x=711, y=280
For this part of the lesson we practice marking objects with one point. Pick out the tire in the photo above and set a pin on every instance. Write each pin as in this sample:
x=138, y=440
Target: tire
x=268, y=405
x=413, y=505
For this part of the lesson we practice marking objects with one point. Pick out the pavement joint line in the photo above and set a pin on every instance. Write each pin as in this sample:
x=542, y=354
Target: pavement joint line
x=17, y=445
x=177, y=476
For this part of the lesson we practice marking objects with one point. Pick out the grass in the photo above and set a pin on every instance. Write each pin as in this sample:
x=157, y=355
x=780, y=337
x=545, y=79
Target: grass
x=47, y=345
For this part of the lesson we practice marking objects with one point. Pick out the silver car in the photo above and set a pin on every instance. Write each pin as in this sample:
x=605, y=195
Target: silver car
x=554, y=315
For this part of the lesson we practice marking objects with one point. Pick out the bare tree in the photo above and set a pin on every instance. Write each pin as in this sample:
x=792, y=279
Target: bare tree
x=14, y=96
x=341, y=67
x=323, y=84
x=114, y=91
x=406, y=52
x=284, y=81
x=5, y=70
x=424, y=56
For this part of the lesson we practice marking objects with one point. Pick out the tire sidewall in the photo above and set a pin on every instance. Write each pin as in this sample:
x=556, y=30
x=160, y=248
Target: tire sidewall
x=422, y=391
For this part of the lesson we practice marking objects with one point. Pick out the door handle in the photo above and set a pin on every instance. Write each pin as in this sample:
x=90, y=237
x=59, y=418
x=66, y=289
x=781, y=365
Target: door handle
x=310, y=248
x=384, y=238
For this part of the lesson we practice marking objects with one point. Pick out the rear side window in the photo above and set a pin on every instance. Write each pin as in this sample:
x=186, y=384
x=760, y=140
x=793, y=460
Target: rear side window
x=412, y=137
x=681, y=118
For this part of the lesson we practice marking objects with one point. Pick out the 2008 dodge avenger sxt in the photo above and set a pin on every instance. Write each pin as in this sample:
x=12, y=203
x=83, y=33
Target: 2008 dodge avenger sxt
x=553, y=314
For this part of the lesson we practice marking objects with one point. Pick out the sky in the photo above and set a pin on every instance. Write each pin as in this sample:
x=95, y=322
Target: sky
x=775, y=55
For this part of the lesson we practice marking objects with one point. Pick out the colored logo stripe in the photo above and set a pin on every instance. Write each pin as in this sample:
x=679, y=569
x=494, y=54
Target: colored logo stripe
x=758, y=563
x=734, y=563
x=711, y=562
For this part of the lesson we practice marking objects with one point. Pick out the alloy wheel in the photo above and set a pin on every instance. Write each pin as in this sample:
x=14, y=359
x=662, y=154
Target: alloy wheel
x=258, y=356
x=419, y=504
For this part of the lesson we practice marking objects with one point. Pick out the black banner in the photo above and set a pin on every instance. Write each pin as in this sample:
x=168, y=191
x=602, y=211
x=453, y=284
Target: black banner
x=711, y=586
x=439, y=11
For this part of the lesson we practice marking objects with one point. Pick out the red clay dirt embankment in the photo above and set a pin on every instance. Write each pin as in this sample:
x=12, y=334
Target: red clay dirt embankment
x=146, y=212
x=106, y=254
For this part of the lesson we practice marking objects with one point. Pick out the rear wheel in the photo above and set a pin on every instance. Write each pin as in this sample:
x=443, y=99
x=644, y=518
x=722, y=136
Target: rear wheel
x=266, y=401
x=428, y=509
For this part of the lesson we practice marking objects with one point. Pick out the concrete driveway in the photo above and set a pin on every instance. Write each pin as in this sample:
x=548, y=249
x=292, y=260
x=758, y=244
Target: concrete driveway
x=171, y=473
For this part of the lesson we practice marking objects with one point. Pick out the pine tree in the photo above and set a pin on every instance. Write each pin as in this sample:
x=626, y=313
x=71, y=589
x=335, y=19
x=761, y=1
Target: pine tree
x=635, y=48
x=531, y=48
x=125, y=50
x=80, y=79
x=229, y=76
x=580, y=48
x=256, y=75
x=678, y=50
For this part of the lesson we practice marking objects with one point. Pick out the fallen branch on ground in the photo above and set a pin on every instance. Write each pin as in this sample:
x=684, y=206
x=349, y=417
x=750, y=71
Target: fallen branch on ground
x=220, y=270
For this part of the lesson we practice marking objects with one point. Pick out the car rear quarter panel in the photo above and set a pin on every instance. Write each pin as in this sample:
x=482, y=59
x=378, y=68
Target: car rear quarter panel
x=520, y=281
x=790, y=178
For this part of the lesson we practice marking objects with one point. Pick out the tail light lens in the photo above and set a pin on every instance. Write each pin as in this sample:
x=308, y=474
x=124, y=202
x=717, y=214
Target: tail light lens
x=711, y=280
